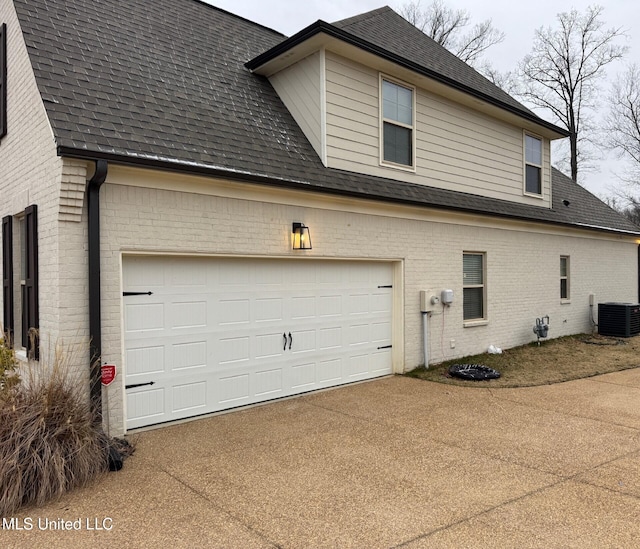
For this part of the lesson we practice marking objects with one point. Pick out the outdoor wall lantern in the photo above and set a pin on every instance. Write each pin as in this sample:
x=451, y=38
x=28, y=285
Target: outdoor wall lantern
x=301, y=237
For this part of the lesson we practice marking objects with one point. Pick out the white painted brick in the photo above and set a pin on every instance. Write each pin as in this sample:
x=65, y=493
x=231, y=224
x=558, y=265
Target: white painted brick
x=522, y=267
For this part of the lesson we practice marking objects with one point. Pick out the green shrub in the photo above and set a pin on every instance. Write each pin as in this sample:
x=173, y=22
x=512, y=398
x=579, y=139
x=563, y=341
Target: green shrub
x=49, y=442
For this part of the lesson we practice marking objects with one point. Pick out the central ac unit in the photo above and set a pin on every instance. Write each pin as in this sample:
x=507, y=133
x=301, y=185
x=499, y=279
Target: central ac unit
x=619, y=319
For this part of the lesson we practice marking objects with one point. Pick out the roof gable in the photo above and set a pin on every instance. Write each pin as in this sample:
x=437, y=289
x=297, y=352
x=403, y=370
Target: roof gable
x=394, y=33
x=387, y=35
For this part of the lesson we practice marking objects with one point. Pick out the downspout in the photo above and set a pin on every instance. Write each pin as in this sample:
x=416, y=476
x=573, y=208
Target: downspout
x=425, y=338
x=95, y=328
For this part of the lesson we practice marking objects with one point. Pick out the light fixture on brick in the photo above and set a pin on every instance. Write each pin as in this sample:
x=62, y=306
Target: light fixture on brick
x=301, y=237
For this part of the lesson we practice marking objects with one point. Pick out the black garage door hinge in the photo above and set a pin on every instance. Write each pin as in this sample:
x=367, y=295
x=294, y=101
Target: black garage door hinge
x=136, y=293
x=138, y=385
x=389, y=286
x=385, y=347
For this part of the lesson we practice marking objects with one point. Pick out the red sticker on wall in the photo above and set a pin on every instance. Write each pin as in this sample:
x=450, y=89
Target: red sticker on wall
x=108, y=373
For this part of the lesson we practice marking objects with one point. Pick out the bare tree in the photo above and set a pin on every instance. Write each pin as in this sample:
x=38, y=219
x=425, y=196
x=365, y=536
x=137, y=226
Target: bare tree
x=562, y=72
x=627, y=205
x=623, y=122
x=447, y=26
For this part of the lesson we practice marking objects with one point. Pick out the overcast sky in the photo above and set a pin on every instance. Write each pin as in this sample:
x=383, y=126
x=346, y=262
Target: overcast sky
x=518, y=20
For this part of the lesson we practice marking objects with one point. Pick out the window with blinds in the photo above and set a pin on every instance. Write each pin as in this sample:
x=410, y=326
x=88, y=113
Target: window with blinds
x=473, y=281
x=564, y=277
x=398, y=123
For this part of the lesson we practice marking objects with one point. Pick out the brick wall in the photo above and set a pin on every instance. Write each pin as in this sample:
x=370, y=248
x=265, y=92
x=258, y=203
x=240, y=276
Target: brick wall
x=32, y=173
x=29, y=167
x=523, y=260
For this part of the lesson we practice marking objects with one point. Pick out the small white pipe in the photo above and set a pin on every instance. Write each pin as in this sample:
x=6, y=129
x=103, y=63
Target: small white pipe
x=425, y=338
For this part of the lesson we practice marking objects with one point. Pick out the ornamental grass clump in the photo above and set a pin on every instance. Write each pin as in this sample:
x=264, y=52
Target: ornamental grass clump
x=9, y=378
x=49, y=441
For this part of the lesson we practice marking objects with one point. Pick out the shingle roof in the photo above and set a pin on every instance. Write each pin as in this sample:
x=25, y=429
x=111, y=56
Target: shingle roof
x=390, y=30
x=387, y=34
x=167, y=87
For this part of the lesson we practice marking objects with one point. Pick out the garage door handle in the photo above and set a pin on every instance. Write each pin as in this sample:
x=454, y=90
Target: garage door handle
x=290, y=340
x=285, y=341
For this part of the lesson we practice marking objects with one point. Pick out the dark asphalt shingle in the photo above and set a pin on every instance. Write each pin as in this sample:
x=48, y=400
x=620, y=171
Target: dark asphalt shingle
x=165, y=84
x=387, y=29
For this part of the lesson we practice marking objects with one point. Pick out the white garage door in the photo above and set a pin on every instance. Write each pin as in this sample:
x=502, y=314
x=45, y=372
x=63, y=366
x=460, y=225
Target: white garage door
x=203, y=335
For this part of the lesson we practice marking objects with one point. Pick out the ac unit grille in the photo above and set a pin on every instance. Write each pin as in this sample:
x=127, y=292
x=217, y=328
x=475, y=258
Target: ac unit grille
x=619, y=319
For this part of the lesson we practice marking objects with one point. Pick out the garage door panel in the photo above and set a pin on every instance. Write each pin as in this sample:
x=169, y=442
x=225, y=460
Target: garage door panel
x=189, y=355
x=145, y=360
x=330, y=372
x=190, y=397
x=145, y=407
x=358, y=334
x=232, y=273
x=329, y=305
x=218, y=337
x=358, y=304
x=359, y=366
x=379, y=362
x=381, y=333
x=268, y=383
x=381, y=303
x=144, y=272
x=234, y=389
x=303, y=377
x=233, y=350
x=303, y=307
x=188, y=314
x=190, y=276
x=144, y=317
x=269, y=309
x=303, y=341
x=330, y=338
x=269, y=274
x=269, y=346
x=304, y=273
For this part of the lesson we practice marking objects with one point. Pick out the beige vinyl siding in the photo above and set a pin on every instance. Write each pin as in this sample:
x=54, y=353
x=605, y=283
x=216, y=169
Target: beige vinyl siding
x=457, y=148
x=300, y=88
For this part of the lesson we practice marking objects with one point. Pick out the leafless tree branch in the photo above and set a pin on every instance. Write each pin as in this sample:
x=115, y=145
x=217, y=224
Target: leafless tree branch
x=562, y=72
x=447, y=25
x=622, y=124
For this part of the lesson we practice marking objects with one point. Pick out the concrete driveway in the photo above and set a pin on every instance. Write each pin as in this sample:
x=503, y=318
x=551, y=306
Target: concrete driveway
x=395, y=462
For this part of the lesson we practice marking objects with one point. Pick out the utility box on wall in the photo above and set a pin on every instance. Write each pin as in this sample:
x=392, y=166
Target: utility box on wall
x=619, y=319
x=428, y=300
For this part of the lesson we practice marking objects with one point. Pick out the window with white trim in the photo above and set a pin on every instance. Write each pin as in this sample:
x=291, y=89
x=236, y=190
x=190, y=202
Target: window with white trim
x=532, y=165
x=398, y=124
x=564, y=277
x=473, y=286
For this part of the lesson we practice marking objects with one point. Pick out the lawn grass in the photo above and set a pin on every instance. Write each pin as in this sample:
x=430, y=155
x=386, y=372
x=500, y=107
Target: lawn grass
x=554, y=361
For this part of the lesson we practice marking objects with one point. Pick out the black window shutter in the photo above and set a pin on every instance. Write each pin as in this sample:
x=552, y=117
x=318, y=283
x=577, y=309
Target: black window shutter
x=7, y=278
x=30, y=312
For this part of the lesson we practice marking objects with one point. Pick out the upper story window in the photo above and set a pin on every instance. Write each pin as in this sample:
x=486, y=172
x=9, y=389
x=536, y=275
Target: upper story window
x=398, y=124
x=3, y=80
x=532, y=165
